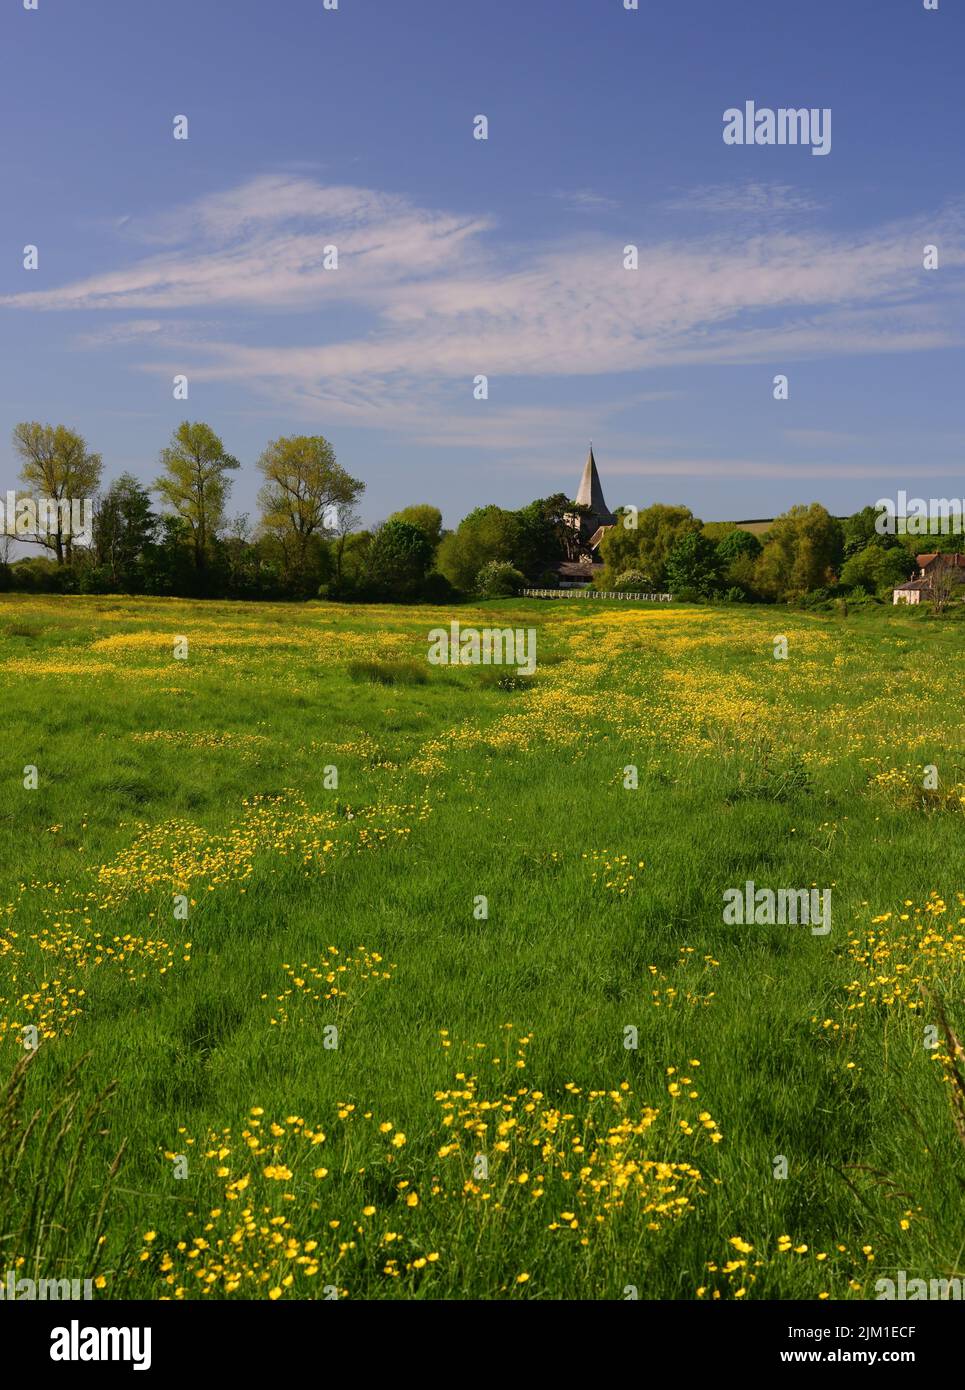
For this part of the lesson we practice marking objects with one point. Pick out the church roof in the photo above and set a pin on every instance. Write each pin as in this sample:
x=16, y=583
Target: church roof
x=591, y=491
x=599, y=533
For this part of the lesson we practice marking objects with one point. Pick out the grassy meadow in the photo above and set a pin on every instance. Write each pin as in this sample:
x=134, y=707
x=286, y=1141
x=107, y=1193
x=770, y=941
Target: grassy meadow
x=284, y=1054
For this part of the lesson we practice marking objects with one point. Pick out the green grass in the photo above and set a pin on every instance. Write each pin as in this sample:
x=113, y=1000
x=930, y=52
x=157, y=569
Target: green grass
x=455, y=784
x=389, y=672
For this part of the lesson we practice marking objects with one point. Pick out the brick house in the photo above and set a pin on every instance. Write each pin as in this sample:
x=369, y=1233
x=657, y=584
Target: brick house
x=929, y=565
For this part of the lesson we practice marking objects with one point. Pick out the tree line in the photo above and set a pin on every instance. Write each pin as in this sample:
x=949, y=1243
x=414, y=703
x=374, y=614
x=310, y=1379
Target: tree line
x=186, y=544
x=805, y=556
x=175, y=537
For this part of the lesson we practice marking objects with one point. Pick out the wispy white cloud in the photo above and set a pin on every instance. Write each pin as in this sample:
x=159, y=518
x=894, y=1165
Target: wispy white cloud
x=264, y=245
x=751, y=198
x=586, y=200
x=142, y=331
x=432, y=303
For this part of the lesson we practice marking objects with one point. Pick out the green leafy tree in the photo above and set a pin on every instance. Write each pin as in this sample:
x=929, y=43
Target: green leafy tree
x=397, y=561
x=124, y=526
x=194, y=484
x=544, y=535
x=304, y=490
x=36, y=574
x=801, y=553
x=57, y=466
x=488, y=533
x=738, y=551
x=349, y=542
x=646, y=546
x=351, y=555
x=426, y=518
x=693, y=566
x=166, y=563
x=717, y=530
x=877, y=567
x=859, y=531
x=736, y=544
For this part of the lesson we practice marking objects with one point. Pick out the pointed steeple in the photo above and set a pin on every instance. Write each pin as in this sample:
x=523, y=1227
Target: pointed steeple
x=590, y=493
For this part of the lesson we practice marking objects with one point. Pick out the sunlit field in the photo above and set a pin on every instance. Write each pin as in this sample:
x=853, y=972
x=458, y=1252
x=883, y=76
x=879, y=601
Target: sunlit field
x=354, y=976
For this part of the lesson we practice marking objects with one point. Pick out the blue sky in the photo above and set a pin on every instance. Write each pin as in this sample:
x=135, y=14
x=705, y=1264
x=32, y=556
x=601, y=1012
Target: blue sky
x=460, y=257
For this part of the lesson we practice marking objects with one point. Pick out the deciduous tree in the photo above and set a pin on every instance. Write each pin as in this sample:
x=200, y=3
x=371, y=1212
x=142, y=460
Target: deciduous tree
x=488, y=533
x=59, y=467
x=647, y=546
x=803, y=548
x=304, y=486
x=194, y=484
x=124, y=525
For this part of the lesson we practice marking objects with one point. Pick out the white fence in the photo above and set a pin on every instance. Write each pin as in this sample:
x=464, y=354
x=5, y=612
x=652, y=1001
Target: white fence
x=594, y=593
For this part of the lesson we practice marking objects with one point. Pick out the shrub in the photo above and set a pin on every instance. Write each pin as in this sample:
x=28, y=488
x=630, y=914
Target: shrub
x=345, y=590
x=816, y=598
x=499, y=579
x=96, y=579
x=35, y=574
x=437, y=589
x=634, y=581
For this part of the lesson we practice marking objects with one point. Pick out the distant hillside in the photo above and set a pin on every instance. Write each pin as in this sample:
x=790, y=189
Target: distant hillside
x=760, y=525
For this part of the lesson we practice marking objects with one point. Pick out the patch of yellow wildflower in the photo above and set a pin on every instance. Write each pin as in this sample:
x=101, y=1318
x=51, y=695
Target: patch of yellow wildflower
x=904, y=788
x=246, y=744
x=684, y=985
x=735, y=1276
x=340, y=981
x=304, y=1211
x=44, y=977
x=177, y=855
x=612, y=872
x=902, y=952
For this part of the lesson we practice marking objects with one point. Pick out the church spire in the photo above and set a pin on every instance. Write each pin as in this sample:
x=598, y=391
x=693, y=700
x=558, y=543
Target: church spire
x=591, y=491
